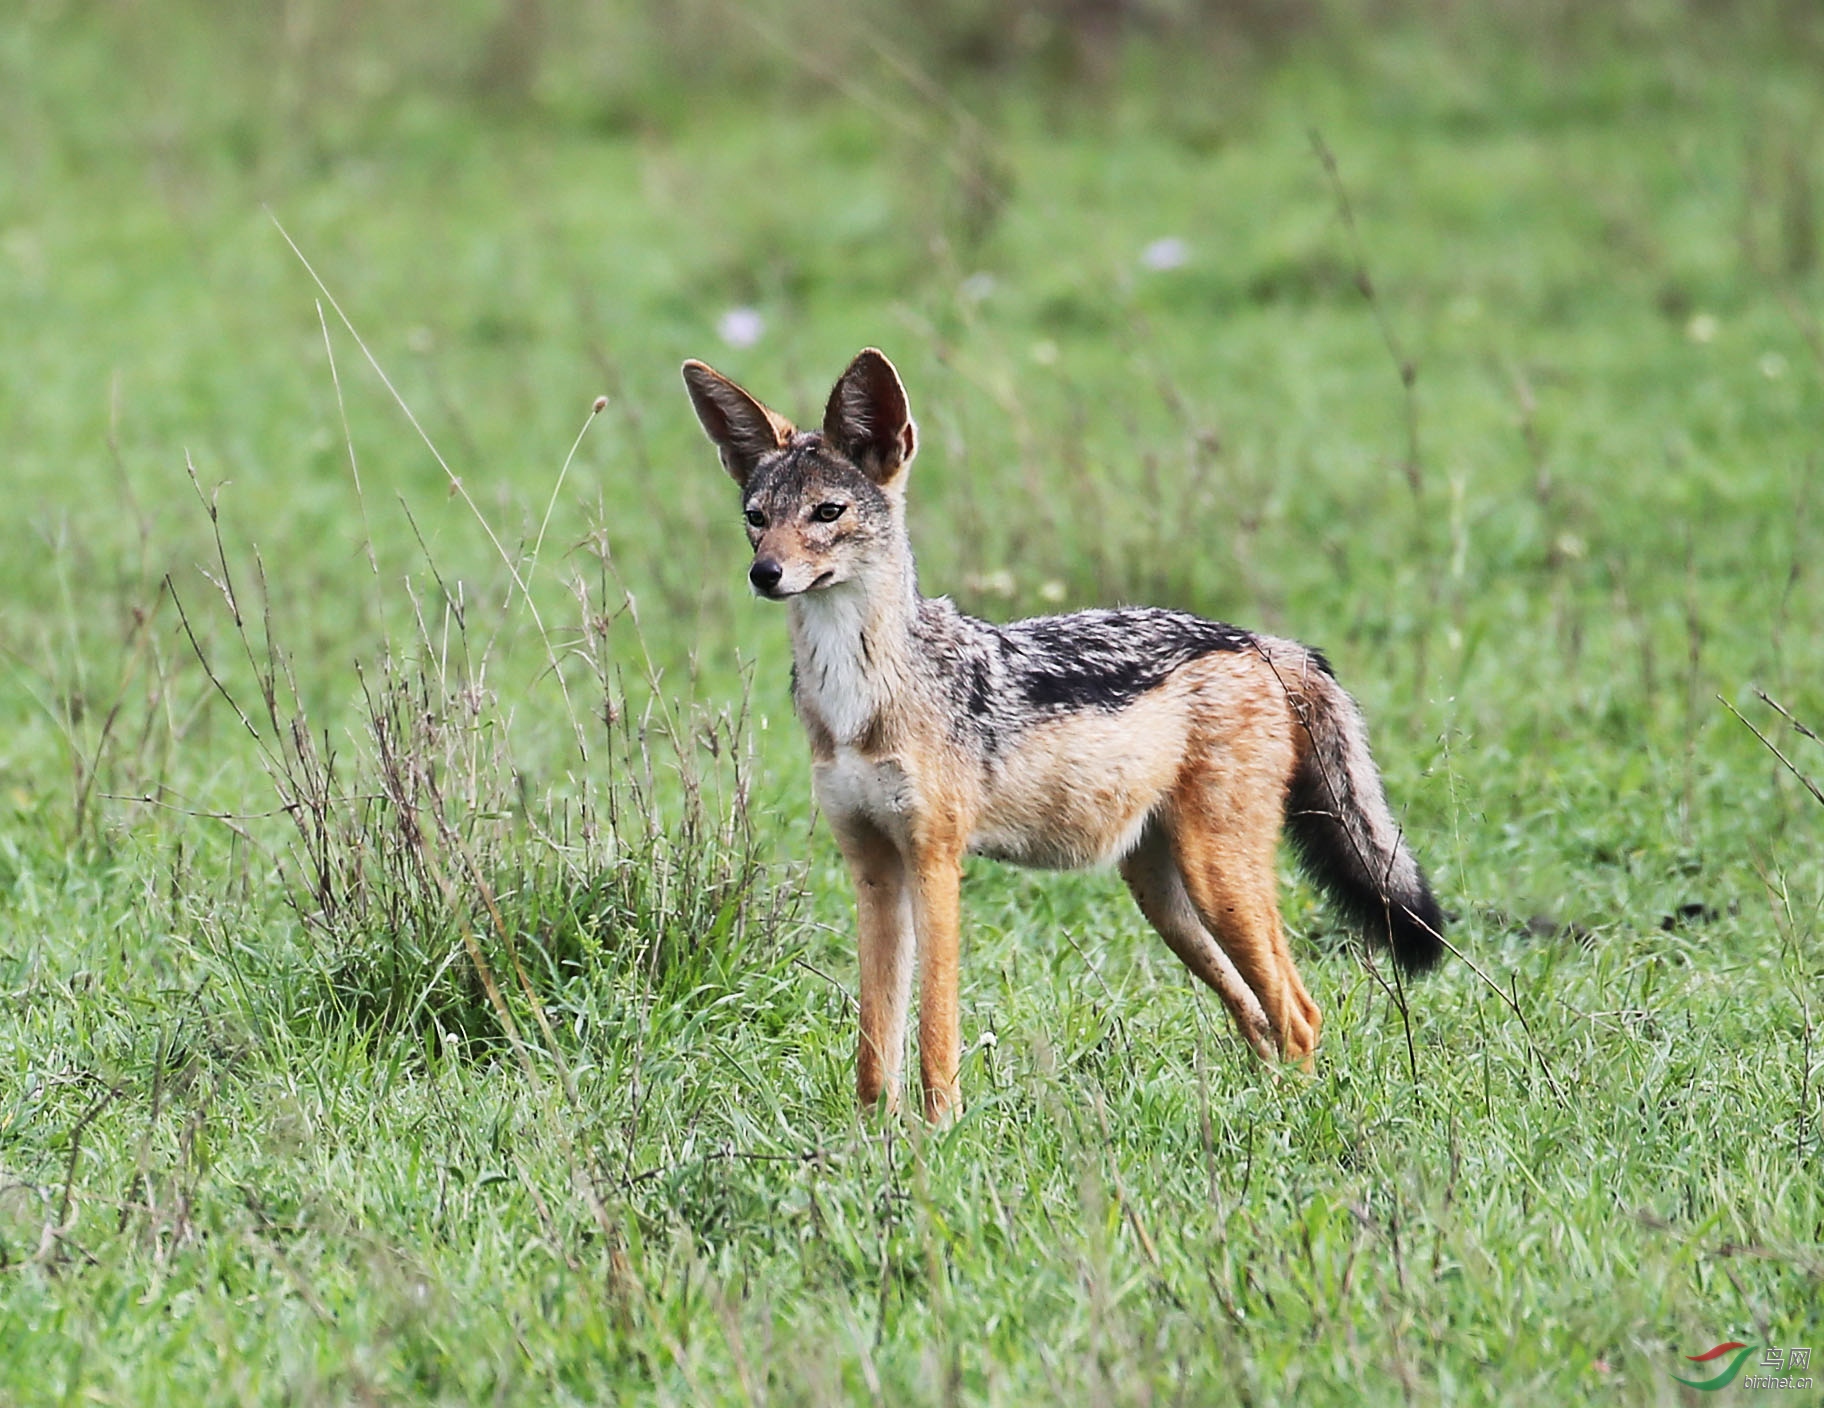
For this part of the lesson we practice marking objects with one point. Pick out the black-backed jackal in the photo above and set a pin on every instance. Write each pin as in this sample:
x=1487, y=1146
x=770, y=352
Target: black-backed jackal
x=1171, y=746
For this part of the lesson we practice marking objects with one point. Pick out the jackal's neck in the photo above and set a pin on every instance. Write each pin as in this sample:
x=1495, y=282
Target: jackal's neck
x=851, y=646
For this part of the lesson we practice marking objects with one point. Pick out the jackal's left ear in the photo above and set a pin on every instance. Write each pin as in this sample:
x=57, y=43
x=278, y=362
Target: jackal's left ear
x=742, y=429
x=868, y=419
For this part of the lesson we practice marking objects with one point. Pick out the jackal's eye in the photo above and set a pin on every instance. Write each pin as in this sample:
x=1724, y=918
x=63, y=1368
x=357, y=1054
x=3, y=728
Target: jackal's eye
x=755, y=518
x=828, y=513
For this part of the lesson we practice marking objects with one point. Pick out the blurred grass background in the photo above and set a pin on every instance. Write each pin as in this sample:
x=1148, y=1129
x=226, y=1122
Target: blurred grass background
x=1100, y=243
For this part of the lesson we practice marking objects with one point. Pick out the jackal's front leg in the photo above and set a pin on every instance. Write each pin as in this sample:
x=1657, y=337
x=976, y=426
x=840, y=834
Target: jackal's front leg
x=885, y=942
x=937, y=883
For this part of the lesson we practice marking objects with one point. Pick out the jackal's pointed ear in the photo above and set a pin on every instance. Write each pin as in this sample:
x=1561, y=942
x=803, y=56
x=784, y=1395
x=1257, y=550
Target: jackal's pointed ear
x=742, y=429
x=868, y=419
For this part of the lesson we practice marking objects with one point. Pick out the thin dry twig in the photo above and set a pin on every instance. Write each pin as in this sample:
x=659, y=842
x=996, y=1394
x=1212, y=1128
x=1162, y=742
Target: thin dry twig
x=57, y=1228
x=1786, y=714
x=1774, y=748
x=1408, y=368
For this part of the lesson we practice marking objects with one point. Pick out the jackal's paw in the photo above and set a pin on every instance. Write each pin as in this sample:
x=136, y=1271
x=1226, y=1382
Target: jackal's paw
x=943, y=1105
x=1257, y=1031
x=1314, y=1019
x=876, y=1096
x=1301, y=1036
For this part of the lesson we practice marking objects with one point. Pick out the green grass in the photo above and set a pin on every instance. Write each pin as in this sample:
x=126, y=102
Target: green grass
x=264, y=1135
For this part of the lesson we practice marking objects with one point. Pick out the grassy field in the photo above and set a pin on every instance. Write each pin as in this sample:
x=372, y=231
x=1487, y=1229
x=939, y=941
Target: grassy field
x=421, y=975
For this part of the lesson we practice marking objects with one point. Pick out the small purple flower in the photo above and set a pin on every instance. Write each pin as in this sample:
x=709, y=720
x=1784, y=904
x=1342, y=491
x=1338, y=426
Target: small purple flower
x=1168, y=253
x=741, y=327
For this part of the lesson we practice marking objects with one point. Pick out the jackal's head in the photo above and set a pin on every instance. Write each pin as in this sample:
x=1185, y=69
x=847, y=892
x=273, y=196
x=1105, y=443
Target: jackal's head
x=823, y=506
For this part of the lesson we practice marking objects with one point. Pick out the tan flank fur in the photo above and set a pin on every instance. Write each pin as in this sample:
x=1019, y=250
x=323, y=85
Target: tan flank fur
x=1173, y=747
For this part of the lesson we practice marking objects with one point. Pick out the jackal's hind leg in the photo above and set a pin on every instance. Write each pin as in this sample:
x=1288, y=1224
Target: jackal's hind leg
x=1233, y=881
x=886, y=944
x=1152, y=876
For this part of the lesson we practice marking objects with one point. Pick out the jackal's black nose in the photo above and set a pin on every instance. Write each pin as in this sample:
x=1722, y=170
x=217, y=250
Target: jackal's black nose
x=765, y=574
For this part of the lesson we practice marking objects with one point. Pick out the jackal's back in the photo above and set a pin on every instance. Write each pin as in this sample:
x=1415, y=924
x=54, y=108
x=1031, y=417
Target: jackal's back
x=1005, y=680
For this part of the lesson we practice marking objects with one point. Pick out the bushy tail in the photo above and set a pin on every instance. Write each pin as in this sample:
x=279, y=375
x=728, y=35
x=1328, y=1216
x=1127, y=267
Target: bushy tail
x=1342, y=831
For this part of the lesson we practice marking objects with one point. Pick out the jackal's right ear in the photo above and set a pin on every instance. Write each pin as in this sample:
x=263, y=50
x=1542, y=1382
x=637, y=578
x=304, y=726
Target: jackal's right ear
x=868, y=419
x=742, y=429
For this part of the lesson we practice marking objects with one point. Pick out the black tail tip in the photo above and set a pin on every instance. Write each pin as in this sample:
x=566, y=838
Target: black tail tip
x=1416, y=930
